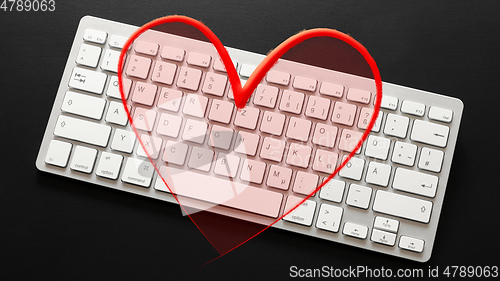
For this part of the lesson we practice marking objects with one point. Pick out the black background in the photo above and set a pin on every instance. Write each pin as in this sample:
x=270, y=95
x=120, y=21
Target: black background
x=61, y=229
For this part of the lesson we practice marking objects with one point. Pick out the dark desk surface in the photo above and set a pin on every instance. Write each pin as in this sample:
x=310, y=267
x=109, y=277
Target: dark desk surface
x=58, y=228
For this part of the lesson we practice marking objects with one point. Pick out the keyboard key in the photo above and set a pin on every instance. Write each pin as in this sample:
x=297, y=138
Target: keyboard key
x=349, y=139
x=359, y=196
x=195, y=105
x=332, y=90
x=402, y=206
x=198, y=59
x=305, y=183
x=386, y=224
x=114, y=90
x=333, y=190
x=144, y=119
x=292, y=102
x=83, y=159
x=404, y=153
x=353, y=169
x=272, y=149
x=378, y=174
x=377, y=147
x=358, y=95
x=194, y=131
x=415, y=182
x=253, y=171
x=298, y=129
x=109, y=165
x=413, y=108
x=325, y=161
x=110, y=61
x=87, y=80
x=278, y=77
x=317, y=108
x=355, y=230
x=144, y=93
x=431, y=159
x=303, y=214
x=304, y=83
x=95, y=36
x=329, y=217
x=123, y=141
x=298, y=155
x=58, y=153
x=279, y=177
x=230, y=93
x=224, y=192
x=81, y=130
x=174, y=54
x=169, y=125
x=220, y=137
x=396, y=125
x=221, y=111
x=219, y=65
x=272, y=123
x=189, y=78
x=175, y=152
x=344, y=113
x=325, y=135
x=201, y=159
x=440, y=114
x=227, y=165
x=430, y=133
x=266, y=96
x=116, y=41
x=246, y=143
x=138, y=67
x=164, y=72
x=246, y=70
x=411, y=244
x=247, y=118
x=151, y=144
x=88, y=55
x=388, y=102
x=170, y=99
x=83, y=105
x=146, y=48
x=365, y=117
x=138, y=172
x=383, y=237
x=215, y=84
x=117, y=114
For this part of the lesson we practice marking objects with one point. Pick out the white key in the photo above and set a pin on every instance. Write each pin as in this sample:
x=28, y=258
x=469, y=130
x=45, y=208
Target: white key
x=377, y=147
x=169, y=125
x=355, y=230
x=175, y=152
x=195, y=105
x=353, y=169
x=152, y=146
x=329, y=217
x=58, y=153
x=404, y=153
x=402, y=206
x=123, y=141
x=303, y=214
x=411, y=244
x=95, y=36
x=383, y=237
x=87, y=80
x=110, y=61
x=246, y=70
x=332, y=90
x=430, y=133
x=431, y=159
x=278, y=77
x=81, y=130
x=114, y=90
x=83, y=105
x=386, y=224
x=194, y=131
x=198, y=59
x=388, y=102
x=88, y=55
x=333, y=191
x=359, y=196
x=116, y=41
x=227, y=165
x=117, y=114
x=160, y=185
x=83, y=159
x=378, y=173
x=201, y=159
x=413, y=108
x=415, y=182
x=396, y=125
x=220, y=137
x=109, y=165
x=138, y=172
x=440, y=114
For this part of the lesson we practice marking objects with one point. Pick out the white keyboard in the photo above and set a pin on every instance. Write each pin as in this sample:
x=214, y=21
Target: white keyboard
x=296, y=129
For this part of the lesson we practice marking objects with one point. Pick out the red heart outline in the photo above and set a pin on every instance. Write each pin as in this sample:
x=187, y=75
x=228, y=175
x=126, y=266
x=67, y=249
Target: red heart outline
x=242, y=94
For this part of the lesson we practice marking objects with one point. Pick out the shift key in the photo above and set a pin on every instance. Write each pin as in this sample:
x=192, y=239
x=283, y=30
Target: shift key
x=402, y=206
x=82, y=130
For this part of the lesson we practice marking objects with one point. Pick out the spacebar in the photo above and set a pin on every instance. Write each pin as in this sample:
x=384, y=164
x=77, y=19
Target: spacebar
x=223, y=192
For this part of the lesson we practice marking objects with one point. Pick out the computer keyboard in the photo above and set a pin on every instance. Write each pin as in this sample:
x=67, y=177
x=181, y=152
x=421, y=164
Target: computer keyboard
x=298, y=126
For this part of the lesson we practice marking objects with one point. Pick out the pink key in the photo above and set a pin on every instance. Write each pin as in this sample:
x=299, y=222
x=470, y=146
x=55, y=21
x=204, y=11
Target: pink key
x=305, y=183
x=221, y=111
x=171, y=53
x=215, y=84
x=164, y=72
x=152, y=145
x=325, y=161
x=292, y=102
x=298, y=129
x=146, y=48
x=332, y=90
x=325, y=135
x=272, y=149
x=198, y=59
x=220, y=137
x=170, y=99
x=266, y=96
x=349, y=139
x=365, y=117
x=144, y=119
x=189, y=78
x=127, y=84
x=303, y=83
x=359, y=95
x=253, y=171
x=317, y=107
x=144, y=93
x=272, y=123
x=195, y=105
x=279, y=177
x=246, y=143
x=298, y=155
x=247, y=118
x=169, y=125
x=344, y=113
x=278, y=77
x=219, y=65
x=138, y=66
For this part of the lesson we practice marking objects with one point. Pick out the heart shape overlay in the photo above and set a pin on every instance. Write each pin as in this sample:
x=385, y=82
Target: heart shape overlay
x=242, y=94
